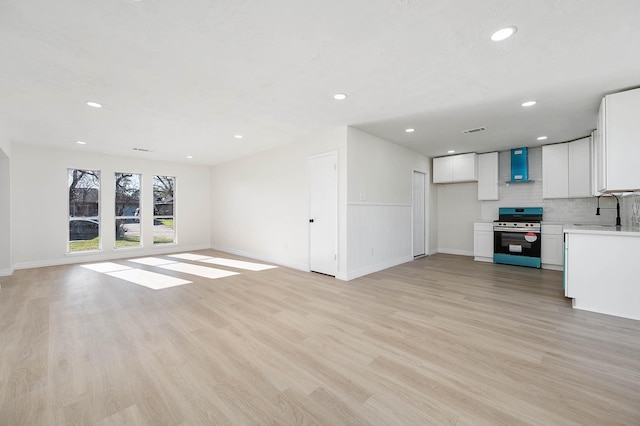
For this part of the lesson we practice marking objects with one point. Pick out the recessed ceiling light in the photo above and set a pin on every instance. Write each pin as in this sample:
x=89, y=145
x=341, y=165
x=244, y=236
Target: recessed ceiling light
x=541, y=138
x=238, y=136
x=94, y=104
x=529, y=103
x=451, y=151
x=339, y=96
x=81, y=143
x=503, y=33
x=188, y=156
x=410, y=130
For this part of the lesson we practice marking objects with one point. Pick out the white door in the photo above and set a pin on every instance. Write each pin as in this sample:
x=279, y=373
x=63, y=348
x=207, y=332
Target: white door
x=323, y=213
x=419, y=223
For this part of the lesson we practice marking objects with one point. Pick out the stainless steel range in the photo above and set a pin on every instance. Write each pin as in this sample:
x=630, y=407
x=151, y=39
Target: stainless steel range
x=516, y=236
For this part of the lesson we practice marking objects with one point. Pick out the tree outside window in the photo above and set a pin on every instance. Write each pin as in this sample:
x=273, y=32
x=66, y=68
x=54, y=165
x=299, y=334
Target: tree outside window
x=84, y=210
x=163, y=210
x=127, y=212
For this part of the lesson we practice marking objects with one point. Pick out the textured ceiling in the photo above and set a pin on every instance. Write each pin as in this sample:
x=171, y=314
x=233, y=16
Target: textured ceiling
x=182, y=78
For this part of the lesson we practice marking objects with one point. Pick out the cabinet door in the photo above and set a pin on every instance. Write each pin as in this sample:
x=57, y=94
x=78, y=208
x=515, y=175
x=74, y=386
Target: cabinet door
x=483, y=244
x=579, y=168
x=488, y=176
x=465, y=167
x=620, y=141
x=552, y=249
x=442, y=170
x=555, y=174
x=594, y=163
x=601, y=178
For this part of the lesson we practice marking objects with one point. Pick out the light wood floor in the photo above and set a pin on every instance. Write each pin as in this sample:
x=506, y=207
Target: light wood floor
x=440, y=340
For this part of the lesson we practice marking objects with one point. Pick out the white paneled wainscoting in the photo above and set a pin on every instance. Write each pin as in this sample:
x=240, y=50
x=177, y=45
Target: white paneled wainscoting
x=379, y=237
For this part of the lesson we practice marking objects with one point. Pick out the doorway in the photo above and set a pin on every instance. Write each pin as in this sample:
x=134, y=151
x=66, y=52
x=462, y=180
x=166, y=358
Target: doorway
x=419, y=217
x=323, y=213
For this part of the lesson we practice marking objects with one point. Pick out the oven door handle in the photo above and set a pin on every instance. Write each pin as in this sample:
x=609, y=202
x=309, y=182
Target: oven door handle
x=516, y=230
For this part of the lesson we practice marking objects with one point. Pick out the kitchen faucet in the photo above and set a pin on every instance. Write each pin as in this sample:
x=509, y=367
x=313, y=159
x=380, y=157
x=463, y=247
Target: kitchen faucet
x=618, y=222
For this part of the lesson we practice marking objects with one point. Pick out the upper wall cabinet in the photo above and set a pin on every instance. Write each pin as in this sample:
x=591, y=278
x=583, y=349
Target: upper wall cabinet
x=566, y=169
x=488, y=176
x=455, y=168
x=617, y=146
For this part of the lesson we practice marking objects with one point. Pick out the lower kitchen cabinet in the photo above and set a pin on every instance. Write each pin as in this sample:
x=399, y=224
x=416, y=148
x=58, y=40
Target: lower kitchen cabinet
x=601, y=271
x=552, y=250
x=483, y=241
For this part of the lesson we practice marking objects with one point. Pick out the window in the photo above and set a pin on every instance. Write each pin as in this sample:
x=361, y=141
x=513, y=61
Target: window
x=163, y=209
x=127, y=210
x=84, y=210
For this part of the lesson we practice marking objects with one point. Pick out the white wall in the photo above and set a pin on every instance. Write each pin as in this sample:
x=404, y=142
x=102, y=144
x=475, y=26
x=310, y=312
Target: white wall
x=260, y=204
x=379, y=202
x=5, y=213
x=39, y=204
x=458, y=209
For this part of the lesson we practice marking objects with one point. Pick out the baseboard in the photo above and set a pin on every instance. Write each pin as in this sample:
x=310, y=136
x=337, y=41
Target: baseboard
x=350, y=275
x=552, y=267
x=483, y=259
x=263, y=258
x=6, y=272
x=456, y=251
x=74, y=258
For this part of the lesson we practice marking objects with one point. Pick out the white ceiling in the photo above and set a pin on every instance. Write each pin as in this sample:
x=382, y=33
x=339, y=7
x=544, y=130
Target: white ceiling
x=183, y=77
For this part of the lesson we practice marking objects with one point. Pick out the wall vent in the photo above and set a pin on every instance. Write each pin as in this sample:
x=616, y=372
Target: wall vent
x=477, y=129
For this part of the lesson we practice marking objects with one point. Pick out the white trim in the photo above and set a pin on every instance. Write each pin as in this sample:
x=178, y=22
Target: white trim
x=6, y=272
x=257, y=256
x=375, y=268
x=552, y=267
x=79, y=258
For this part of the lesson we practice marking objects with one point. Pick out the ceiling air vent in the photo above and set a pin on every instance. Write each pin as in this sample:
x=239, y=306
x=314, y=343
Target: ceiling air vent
x=477, y=129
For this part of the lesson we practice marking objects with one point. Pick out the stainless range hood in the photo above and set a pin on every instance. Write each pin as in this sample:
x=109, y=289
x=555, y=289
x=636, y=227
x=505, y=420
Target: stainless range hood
x=519, y=166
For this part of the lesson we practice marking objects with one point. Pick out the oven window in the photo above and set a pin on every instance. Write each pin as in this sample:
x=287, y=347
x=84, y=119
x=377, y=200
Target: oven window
x=517, y=243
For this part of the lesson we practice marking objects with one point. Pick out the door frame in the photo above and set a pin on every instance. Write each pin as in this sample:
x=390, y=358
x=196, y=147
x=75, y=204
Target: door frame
x=337, y=215
x=426, y=210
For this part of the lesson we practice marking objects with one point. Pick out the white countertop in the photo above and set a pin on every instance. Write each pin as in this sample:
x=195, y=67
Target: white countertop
x=602, y=230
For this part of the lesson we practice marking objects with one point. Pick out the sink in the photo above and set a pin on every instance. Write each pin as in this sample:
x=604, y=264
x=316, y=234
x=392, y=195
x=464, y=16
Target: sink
x=597, y=225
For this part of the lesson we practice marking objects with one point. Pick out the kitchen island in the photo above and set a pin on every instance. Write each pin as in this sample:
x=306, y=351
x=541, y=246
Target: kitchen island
x=602, y=272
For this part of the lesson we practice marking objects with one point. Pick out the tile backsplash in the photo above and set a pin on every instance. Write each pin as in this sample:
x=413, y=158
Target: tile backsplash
x=568, y=210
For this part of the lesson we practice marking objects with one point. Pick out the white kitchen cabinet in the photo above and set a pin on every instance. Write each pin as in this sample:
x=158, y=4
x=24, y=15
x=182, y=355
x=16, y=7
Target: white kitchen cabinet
x=566, y=169
x=555, y=171
x=580, y=168
x=552, y=246
x=455, y=168
x=488, y=176
x=601, y=270
x=617, y=146
x=594, y=164
x=483, y=241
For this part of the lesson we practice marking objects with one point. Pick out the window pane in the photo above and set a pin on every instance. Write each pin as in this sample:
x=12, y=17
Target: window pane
x=163, y=209
x=84, y=210
x=127, y=204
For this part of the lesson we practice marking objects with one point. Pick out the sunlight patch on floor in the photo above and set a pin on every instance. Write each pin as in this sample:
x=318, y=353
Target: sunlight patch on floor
x=151, y=261
x=200, y=271
x=158, y=280
x=148, y=279
x=240, y=264
x=105, y=267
